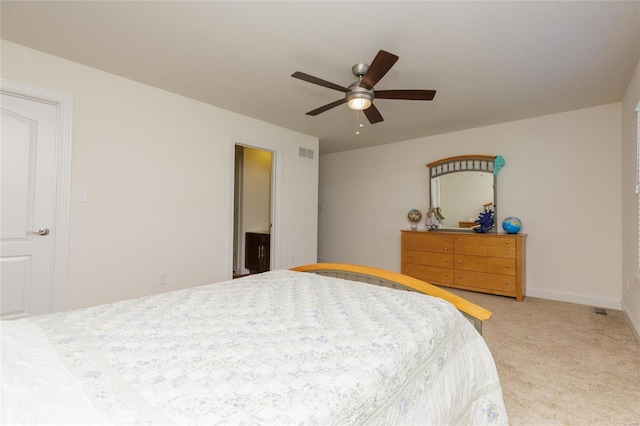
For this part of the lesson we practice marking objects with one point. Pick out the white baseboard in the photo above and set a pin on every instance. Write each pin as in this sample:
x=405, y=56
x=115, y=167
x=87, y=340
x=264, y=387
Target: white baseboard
x=581, y=299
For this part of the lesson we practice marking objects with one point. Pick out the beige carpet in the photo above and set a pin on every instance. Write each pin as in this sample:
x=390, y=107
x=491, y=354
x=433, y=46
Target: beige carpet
x=561, y=364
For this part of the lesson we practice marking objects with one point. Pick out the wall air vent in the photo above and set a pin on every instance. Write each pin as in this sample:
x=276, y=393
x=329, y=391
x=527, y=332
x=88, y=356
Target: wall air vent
x=305, y=153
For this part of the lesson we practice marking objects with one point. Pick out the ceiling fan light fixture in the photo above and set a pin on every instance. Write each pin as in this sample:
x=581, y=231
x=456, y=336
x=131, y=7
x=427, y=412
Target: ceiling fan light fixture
x=359, y=103
x=358, y=98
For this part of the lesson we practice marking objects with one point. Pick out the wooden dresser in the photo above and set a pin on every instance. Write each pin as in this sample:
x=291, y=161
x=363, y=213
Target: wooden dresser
x=488, y=263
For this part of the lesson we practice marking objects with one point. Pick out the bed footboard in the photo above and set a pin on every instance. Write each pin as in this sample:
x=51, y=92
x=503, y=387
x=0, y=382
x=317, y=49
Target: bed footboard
x=382, y=277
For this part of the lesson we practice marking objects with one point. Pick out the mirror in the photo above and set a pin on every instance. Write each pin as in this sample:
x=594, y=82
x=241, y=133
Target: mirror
x=463, y=187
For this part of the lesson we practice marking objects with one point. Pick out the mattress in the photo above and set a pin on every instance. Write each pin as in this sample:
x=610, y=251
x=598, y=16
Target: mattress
x=280, y=347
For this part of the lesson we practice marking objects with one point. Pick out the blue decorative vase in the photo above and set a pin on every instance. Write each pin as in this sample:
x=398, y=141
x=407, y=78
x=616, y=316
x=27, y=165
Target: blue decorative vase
x=512, y=225
x=485, y=222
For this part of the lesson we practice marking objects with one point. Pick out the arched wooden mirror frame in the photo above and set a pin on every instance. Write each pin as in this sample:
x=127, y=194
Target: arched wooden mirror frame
x=464, y=163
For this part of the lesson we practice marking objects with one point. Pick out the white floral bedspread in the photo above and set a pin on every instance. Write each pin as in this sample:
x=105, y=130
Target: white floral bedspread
x=281, y=347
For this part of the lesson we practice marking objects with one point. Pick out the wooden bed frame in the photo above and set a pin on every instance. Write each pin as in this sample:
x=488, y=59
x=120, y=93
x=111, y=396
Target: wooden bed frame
x=381, y=277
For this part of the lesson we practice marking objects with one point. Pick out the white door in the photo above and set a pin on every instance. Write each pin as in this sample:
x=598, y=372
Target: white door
x=29, y=132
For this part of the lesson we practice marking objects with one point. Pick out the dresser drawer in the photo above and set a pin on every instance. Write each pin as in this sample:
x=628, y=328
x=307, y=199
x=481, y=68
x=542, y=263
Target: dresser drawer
x=426, y=241
x=430, y=274
x=501, y=252
x=440, y=260
x=492, y=265
x=504, y=284
x=484, y=245
x=498, y=241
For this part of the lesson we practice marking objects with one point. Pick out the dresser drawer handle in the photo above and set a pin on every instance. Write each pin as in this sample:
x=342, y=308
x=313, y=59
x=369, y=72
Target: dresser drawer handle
x=446, y=249
x=506, y=283
x=460, y=239
x=506, y=241
x=460, y=276
x=460, y=250
x=459, y=261
x=409, y=255
x=446, y=260
x=410, y=245
x=506, y=266
x=506, y=253
x=409, y=236
x=446, y=275
x=446, y=238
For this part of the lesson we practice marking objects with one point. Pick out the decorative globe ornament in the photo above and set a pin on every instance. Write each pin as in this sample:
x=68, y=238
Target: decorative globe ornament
x=414, y=217
x=512, y=225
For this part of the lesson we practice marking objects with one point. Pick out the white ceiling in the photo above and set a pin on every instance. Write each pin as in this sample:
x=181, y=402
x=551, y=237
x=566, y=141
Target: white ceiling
x=490, y=62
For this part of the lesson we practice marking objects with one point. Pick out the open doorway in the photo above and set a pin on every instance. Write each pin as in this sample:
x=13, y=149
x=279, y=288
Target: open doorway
x=252, y=210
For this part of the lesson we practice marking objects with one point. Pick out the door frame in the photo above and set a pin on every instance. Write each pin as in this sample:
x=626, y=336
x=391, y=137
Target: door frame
x=274, y=246
x=64, y=106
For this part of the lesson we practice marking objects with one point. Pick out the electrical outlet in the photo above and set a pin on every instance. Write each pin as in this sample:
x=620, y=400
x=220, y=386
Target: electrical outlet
x=163, y=278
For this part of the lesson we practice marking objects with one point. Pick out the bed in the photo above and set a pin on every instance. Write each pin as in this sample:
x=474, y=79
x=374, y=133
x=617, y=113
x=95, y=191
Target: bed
x=318, y=345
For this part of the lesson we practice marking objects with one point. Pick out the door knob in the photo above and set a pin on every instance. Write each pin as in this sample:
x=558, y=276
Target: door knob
x=41, y=231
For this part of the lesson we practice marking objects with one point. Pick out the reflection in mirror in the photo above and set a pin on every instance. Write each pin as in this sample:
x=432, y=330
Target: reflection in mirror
x=463, y=187
x=462, y=197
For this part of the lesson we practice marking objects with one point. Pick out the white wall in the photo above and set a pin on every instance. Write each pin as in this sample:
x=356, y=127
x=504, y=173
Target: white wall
x=158, y=169
x=562, y=178
x=630, y=276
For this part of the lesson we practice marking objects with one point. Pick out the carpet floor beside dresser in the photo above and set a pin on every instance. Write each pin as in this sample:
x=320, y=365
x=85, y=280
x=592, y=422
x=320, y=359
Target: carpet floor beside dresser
x=562, y=364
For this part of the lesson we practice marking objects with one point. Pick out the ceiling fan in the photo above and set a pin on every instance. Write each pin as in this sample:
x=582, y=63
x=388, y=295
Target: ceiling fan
x=360, y=94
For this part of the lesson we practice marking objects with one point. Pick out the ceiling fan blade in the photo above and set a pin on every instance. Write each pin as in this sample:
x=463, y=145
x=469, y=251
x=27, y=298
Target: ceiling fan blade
x=373, y=115
x=315, y=80
x=326, y=107
x=381, y=64
x=409, y=95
